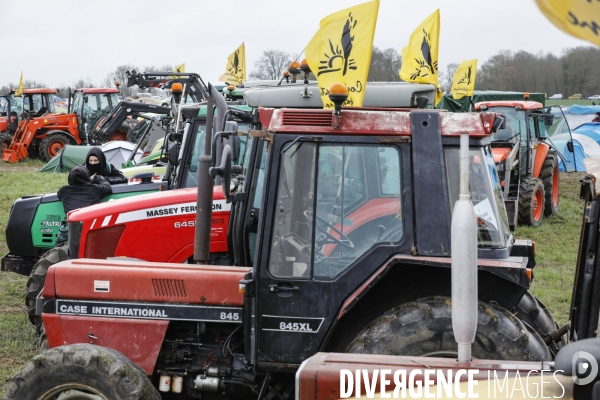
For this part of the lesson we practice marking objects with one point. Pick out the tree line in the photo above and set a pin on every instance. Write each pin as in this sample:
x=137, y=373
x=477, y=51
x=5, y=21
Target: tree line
x=576, y=70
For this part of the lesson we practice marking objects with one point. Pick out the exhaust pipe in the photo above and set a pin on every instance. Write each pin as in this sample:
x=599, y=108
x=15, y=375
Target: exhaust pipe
x=464, y=261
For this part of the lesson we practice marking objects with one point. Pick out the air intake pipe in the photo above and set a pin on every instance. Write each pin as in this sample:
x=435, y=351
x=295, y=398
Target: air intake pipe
x=464, y=261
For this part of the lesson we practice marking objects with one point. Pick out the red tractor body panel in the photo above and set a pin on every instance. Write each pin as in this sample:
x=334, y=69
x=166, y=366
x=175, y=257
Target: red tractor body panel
x=139, y=340
x=319, y=376
x=161, y=222
x=149, y=282
x=526, y=105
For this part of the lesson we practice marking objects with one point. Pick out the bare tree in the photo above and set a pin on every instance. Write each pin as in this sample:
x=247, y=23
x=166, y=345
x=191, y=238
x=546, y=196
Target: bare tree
x=385, y=65
x=271, y=65
x=83, y=83
x=120, y=75
x=446, y=77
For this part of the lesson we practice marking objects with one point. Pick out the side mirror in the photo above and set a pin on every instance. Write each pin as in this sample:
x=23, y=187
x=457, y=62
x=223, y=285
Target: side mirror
x=570, y=146
x=224, y=171
x=173, y=154
x=548, y=120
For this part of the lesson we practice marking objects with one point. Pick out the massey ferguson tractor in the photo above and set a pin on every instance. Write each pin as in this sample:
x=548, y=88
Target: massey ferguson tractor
x=45, y=133
x=338, y=220
x=527, y=165
x=574, y=373
x=31, y=101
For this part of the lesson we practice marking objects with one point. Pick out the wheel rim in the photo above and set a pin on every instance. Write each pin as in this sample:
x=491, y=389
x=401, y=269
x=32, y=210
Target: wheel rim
x=55, y=148
x=555, y=186
x=117, y=136
x=72, y=391
x=537, y=205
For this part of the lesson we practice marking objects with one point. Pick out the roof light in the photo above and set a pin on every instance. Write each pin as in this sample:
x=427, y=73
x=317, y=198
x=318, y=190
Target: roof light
x=338, y=93
x=526, y=96
x=304, y=67
x=230, y=87
x=176, y=87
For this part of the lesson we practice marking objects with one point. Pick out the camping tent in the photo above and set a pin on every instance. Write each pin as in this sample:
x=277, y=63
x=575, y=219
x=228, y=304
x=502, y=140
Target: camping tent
x=116, y=152
x=461, y=105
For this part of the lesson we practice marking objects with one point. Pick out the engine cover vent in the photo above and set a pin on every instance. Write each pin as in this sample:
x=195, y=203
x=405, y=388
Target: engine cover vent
x=169, y=287
x=306, y=118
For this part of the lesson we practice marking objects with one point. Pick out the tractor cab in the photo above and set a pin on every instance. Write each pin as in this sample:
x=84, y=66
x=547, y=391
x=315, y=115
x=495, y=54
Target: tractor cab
x=90, y=105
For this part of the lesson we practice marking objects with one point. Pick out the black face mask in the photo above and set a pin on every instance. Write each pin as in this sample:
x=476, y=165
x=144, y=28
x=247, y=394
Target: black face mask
x=94, y=168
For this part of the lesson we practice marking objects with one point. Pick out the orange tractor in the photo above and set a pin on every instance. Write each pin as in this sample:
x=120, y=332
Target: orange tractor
x=31, y=101
x=45, y=133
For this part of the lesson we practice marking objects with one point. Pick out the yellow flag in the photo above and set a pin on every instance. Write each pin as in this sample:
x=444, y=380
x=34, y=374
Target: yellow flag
x=181, y=68
x=463, y=82
x=19, y=91
x=420, y=57
x=340, y=52
x=580, y=18
x=235, y=70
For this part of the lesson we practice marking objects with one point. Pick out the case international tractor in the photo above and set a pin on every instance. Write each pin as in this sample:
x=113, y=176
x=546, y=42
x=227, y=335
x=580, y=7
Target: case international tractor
x=32, y=101
x=45, y=132
x=341, y=218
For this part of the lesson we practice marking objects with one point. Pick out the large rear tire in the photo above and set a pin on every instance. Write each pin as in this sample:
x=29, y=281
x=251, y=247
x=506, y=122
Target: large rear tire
x=531, y=202
x=52, y=144
x=424, y=328
x=78, y=372
x=550, y=177
x=5, y=141
x=531, y=312
x=37, y=278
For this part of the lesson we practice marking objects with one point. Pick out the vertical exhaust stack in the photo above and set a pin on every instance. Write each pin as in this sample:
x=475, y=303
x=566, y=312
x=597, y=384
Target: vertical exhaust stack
x=464, y=261
x=205, y=181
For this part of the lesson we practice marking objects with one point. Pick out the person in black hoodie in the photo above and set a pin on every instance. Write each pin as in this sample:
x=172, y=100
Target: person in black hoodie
x=95, y=162
x=80, y=192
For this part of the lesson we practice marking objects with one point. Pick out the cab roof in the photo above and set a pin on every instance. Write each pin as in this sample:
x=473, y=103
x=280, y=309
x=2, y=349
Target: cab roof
x=371, y=121
x=526, y=105
x=37, y=91
x=97, y=90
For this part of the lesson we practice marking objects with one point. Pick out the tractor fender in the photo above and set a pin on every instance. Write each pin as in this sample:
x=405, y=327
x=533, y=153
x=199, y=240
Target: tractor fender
x=540, y=157
x=71, y=137
x=400, y=281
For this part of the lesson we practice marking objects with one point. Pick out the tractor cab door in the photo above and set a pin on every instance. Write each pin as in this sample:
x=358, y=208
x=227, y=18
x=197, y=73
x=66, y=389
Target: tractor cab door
x=331, y=217
x=95, y=107
x=558, y=135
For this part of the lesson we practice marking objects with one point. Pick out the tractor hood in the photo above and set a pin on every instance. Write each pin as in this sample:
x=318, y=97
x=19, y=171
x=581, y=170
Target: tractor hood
x=104, y=281
x=123, y=208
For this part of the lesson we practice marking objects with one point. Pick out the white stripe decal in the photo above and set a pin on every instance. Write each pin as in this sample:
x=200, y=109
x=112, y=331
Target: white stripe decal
x=106, y=220
x=168, y=210
x=93, y=223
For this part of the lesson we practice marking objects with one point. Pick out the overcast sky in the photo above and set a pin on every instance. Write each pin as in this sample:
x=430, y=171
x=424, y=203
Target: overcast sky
x=58, y=42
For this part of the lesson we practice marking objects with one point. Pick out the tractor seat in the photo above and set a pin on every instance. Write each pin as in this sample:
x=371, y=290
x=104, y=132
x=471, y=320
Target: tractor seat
x=41, y=112
x=505, y=135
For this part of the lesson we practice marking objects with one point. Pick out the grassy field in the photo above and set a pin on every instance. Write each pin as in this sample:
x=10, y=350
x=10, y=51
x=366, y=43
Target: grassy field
x=557, y=240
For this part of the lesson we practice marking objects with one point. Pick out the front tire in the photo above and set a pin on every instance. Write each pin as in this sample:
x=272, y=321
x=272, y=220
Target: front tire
x=51, y=145
x=37, y=278
x=550, y=177
x=84, y=370
x=531, y=202
x=424, y=328
x=530, y=311
x=5, y=141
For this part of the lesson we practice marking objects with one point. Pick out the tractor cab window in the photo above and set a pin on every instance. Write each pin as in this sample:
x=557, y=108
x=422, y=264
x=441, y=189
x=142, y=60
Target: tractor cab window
x=334, y=203
x=516, y=128
x=486, y=195
x=38, y=104
x=96, y=107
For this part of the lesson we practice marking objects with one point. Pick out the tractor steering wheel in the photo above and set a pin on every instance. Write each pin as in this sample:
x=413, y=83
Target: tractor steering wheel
x=322, y=225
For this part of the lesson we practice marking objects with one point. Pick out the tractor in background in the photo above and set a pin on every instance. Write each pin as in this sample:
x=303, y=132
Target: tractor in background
x=45, y=133
x=32, y=101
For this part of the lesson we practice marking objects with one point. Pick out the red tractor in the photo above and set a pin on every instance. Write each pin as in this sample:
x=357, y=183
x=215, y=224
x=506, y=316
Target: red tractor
x=31, y=101
x=45, y=132
x=337, y=219
x=527, y=166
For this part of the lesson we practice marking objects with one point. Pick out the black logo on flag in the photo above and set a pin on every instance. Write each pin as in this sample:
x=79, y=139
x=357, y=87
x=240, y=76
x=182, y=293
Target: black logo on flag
x=426, y=65
x=466, y=78
x=343, y=53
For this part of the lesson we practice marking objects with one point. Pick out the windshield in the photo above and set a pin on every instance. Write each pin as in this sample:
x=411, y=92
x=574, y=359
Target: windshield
x=486, y=195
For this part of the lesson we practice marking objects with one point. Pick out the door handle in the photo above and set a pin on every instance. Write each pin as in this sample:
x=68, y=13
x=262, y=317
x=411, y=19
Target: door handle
x=275, y=288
